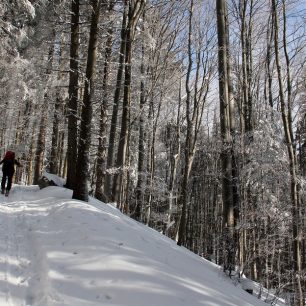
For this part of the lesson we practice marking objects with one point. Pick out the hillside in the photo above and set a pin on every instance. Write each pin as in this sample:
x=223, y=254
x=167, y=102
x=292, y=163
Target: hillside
x=57, y=251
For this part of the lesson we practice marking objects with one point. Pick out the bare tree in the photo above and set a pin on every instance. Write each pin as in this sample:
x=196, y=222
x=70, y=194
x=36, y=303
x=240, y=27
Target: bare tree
x=80, y=190
x=226, y=155
x=142, y=134
x=72, y=107
x=102, y=146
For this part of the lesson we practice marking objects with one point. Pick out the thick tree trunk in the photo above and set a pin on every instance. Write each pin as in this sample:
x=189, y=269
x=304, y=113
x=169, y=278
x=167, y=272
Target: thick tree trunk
x=80, y=190
x=72, y=108
x=102, y=147
x=226, y=158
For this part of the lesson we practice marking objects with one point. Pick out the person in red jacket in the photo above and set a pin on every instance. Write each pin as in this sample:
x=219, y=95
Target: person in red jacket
x=8, y=170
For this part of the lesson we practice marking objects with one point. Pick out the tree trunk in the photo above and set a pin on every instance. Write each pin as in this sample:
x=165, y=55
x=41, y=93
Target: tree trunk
x=80, y=190
x=101, y=155
x=113, y=127
x=141, y=138
x=268, y=72
x=53, y=167
x=122, y=147
x=226, y=158
x=72, y=110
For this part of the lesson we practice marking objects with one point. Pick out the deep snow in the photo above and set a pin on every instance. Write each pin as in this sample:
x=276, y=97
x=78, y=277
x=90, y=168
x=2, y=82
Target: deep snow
x=58, y=251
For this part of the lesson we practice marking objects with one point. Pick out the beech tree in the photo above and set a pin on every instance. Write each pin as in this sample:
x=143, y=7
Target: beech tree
x=229, y=206
x=80, y=190
x=100, y=190
x=72, y=108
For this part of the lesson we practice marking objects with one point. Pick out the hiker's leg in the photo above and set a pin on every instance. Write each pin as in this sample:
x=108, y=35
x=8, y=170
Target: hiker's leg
x=3, y=181
x=9, y=182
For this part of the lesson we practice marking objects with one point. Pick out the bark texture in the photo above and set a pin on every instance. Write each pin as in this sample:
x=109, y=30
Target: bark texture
x=80, y=190
x=72, y=107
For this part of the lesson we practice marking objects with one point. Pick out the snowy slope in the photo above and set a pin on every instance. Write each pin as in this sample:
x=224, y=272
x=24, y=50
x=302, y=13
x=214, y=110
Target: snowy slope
x=58, y=251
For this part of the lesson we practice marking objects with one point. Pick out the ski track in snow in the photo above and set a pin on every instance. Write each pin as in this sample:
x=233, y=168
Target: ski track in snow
x=24, y=272
x=14, y=253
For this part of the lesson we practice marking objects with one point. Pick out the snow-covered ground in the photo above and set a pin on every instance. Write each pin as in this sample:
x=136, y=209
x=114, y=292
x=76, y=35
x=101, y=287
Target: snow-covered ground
x=58, y=251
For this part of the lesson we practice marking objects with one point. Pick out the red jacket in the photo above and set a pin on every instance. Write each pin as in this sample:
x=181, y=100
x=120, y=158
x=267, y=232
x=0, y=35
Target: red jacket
x=8, y=167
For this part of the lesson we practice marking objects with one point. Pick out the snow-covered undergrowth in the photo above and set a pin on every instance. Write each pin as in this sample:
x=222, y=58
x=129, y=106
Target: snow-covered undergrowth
x=58, y=251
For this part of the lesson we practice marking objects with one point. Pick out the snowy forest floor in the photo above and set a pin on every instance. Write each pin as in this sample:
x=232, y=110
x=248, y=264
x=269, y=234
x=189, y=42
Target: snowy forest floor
x=58, y=251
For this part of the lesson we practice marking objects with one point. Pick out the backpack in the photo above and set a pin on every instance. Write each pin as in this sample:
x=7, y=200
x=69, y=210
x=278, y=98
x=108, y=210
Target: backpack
x=9, y=155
